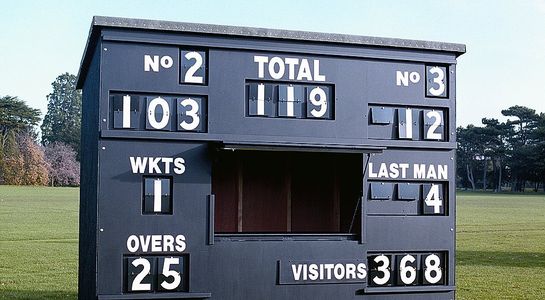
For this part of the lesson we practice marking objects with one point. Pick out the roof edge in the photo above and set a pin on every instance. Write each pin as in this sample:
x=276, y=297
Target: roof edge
x=116, y=22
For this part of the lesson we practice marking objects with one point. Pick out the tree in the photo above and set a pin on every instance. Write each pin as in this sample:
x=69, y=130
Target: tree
x=497, y=134
x=26, y=165
x=62, y=123
x=15, y=118
x=63, y=167
x=521, y=153
x=467, y=151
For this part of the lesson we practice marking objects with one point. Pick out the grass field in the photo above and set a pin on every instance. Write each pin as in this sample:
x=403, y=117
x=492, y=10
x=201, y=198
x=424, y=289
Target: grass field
x=38, y=242
x=501, y=244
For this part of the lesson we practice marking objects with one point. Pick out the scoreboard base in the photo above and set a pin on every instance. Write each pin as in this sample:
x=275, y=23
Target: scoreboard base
x=157, y=296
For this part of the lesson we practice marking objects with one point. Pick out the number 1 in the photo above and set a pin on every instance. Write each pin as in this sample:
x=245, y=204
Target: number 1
x=157, y=193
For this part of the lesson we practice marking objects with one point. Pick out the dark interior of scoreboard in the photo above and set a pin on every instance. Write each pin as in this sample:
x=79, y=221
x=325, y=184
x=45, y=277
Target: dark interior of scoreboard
x=287, y=192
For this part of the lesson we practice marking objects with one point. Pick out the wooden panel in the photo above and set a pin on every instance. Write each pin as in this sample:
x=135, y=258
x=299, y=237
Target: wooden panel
x=282, y=192
x=313, y=194
x=225, y=187
x=264, y=204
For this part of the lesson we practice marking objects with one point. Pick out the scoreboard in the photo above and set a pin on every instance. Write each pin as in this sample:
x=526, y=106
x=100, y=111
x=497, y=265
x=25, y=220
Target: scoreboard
x=226, y=162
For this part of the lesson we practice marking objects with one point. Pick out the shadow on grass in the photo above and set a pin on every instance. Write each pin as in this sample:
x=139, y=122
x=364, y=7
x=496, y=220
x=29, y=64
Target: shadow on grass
x=17, y=294
x=497, y=258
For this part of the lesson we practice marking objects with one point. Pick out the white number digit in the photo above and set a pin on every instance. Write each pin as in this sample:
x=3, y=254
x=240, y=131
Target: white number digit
x=289, y=103
x=317, y=92
x=190, y=74
x=126, y=111
x=167, y=272
x=151, y=113
x=137, y=284
x=409, y=123
x=432, y=199
x=431, y=134
x=261, y=99
x=433, y=265
x=384, y=269
x=407, y=273
x=195, y=120
x=439, y=80
x=157, y=191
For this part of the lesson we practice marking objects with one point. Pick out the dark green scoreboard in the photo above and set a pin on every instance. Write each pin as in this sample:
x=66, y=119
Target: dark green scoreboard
x=228, y=162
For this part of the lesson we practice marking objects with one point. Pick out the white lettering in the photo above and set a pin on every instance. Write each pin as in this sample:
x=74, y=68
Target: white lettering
x=179, y=167
x=350, y=271
x=144, y=242
x=296, y=270
x=313, y=272
x=138, y=164
x=443, y=171
x=276, y=61
x=132, y=243
x=402, y=78
x=404, y=168
x=394, y=172
x=166, y=61
x=151, y=64
x=339, y=271
x=362, y=271
x=167, y=161
x=168, y=243
x=276, y=67
x=291, y=62
x=157, y=165
x=383, y=171
x=304, y=71
x=156, y=243
x=261, y=61
x=180, y=243
x=317, y=75
x=371, y=173
x=153, y=165
x=431, y=172
x=419, y=171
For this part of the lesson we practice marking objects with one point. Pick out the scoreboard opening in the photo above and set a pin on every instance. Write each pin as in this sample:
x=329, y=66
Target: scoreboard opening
x=270, y=192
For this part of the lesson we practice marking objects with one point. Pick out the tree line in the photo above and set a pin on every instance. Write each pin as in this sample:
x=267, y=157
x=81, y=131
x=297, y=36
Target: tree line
x=502, y=156
x=25, y=159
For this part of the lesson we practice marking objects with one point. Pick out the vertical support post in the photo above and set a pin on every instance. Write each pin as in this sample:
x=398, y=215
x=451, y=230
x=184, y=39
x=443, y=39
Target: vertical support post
x=211, y=216
x=363, y=200
x=240, y=193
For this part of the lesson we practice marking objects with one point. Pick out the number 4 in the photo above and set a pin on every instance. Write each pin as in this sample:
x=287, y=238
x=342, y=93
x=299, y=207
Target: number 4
x=433, y=199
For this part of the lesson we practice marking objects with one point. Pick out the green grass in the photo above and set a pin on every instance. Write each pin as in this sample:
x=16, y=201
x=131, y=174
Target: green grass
x=38, y=242
x=500, y=242
x=500, y=246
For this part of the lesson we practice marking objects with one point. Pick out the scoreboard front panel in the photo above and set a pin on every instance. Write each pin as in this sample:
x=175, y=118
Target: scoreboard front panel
x=233, y=163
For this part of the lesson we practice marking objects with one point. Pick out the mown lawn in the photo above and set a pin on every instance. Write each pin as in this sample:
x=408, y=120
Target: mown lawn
x=501, y=244
x=38, y=242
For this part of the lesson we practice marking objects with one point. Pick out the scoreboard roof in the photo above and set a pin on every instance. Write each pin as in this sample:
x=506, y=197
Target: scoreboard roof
x=100, y=22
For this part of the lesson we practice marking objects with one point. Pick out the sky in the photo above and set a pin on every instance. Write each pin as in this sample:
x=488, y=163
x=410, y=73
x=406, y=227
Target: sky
x=504, y=64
